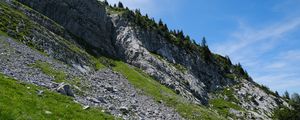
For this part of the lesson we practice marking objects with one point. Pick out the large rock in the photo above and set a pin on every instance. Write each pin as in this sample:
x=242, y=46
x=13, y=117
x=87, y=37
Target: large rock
x=65, y=89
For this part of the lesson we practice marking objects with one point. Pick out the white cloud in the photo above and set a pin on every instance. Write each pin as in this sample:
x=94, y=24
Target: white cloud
x=247, y=36
x=293, y=55
x=276, y=65
x=257, y=50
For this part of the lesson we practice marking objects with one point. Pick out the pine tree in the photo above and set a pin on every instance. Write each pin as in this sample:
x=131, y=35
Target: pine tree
x=166, y=27
x=187, y=38
x=137, y=12
x=180, y=34
x=205, y=50
x=286, y=95
x=105, y=2
x=147, y=16
x=276, y=93
x=160, y=23
x=120, y=5
x=194, y=42
x=203, y=43
x=228, y=60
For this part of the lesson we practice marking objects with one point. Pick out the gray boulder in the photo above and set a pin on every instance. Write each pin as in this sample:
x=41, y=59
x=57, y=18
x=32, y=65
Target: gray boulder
x=65, y=89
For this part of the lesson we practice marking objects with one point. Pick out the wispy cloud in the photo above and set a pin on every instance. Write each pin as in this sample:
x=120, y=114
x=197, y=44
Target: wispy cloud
x=260, y=52
x=247, y=36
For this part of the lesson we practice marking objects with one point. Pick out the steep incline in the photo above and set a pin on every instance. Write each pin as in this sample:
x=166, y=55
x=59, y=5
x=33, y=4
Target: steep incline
x=78, y=32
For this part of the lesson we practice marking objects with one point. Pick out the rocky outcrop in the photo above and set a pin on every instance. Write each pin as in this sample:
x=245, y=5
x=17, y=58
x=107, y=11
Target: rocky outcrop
x=260, y=103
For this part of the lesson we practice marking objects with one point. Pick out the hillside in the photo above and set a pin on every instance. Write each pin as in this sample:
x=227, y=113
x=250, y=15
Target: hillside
x=114, y=63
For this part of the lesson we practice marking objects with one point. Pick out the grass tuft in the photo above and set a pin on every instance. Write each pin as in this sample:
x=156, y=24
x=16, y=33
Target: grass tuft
x=58, y=75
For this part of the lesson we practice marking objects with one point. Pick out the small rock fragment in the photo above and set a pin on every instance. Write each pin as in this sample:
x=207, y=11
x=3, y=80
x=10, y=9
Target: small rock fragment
x=94, y=100
x=40, y=92
x=124, y=110
x=48, y=112
x=86, y=107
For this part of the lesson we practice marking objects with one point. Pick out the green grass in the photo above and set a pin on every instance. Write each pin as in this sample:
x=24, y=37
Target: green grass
x=97, y=63
x=230, y=76
x=118, y=11
x=161, y=93
x=3, y=33
x=10, y=19
x=58, y=75
x=46, y=68
x=229, y=92
x=223, y=106
x=157, y=56
x=180, y=68
x=21, y=102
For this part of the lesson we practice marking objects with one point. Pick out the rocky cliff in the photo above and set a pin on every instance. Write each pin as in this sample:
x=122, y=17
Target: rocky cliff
x=130, y=71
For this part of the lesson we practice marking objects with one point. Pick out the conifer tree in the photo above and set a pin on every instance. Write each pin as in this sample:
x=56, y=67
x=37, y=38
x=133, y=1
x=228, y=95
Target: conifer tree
x=160, y=23
x=286, y=95
x=205, y=50
x=120, y=5
x=105, y=2
x=203, y=43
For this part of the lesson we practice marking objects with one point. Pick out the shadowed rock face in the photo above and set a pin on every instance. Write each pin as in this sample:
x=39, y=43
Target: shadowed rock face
x=85, y=19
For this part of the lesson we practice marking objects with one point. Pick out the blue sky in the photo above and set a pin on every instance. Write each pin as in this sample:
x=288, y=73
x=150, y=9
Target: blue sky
x=263, y=35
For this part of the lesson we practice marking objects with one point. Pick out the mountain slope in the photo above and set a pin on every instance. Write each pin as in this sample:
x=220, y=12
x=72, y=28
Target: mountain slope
x=123, y=62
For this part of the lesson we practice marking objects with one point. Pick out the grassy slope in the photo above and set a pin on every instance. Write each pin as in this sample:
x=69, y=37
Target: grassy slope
x=20, y=101
x=160, y=92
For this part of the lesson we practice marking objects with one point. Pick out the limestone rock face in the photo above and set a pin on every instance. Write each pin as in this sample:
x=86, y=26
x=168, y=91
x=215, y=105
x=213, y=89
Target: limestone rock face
x=138, y=47
x=254, y=99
